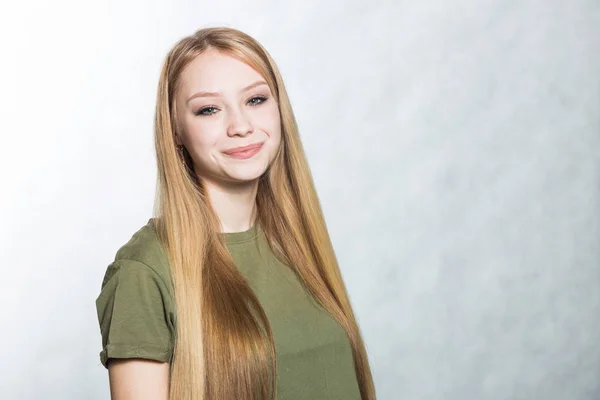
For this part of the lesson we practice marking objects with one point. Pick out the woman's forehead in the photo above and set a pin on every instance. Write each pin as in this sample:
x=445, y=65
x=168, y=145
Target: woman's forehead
x=217, y=72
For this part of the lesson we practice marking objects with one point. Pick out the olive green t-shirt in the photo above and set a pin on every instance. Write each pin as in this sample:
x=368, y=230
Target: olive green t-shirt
x=137, y=315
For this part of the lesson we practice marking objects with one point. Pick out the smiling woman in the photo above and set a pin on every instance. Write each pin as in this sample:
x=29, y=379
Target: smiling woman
x=232, y=290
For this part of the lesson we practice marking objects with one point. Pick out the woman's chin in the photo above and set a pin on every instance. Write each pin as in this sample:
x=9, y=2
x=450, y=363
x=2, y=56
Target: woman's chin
x=246, y=175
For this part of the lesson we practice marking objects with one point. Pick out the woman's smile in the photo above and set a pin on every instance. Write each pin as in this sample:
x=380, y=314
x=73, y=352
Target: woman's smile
x=244, y=152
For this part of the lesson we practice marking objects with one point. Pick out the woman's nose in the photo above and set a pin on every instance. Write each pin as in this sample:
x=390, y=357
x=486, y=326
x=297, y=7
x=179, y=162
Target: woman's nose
x=239, y=124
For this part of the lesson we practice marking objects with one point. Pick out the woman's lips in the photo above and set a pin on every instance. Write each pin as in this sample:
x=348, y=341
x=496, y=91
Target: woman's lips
x=244, y=152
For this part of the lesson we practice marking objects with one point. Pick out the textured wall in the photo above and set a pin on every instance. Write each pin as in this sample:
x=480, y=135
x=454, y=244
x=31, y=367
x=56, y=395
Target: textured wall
x=455, y=147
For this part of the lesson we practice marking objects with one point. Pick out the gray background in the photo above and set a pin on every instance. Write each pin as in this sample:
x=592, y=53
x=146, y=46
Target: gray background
x=455, y=147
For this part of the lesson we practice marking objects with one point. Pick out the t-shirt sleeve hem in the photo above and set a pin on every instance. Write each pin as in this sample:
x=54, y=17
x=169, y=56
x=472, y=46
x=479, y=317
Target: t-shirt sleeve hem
x=148, y=352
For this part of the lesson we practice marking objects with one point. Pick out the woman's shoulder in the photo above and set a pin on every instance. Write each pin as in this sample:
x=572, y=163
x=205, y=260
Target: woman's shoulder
x=143, y=244
x=145, y=248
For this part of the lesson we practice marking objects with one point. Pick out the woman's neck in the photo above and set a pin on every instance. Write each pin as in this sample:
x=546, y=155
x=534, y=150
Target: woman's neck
x=235, y=205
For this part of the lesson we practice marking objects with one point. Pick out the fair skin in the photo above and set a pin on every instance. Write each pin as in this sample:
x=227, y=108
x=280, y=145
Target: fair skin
x=136, y=379
x=222, y=104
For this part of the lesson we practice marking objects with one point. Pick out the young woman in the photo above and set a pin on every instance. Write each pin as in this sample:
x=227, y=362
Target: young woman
x=232, y=290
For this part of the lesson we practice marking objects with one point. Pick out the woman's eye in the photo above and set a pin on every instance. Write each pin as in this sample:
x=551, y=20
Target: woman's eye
x=257, y=100
x=210, y=110
x=206, y=111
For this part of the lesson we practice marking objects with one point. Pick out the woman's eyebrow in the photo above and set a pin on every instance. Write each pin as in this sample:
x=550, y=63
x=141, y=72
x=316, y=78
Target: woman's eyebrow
x=217, y=94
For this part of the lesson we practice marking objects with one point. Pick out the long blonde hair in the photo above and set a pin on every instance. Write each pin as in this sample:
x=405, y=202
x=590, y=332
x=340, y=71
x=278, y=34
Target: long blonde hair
x=224, y=348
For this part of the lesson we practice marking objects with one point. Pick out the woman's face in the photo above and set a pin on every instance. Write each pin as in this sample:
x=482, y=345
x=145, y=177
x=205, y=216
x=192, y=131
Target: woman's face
x=224, y=104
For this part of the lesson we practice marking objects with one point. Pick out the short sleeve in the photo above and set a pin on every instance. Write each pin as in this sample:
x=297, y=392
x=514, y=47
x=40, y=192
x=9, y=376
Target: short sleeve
x=135, y=313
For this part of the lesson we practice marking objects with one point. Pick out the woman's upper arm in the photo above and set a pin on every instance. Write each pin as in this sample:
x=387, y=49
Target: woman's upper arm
x=134, y=312
x=138, y=379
